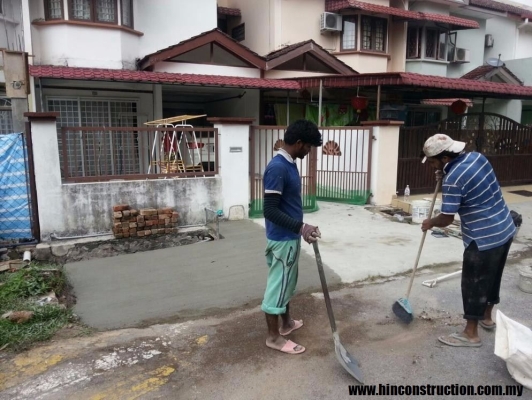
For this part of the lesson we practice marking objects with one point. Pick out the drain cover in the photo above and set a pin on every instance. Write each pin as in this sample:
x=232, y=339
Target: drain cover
x=526, y=193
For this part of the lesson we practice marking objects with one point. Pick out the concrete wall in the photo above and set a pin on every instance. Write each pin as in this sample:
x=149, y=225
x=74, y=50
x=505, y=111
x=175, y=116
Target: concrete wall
x=504, y=31
x=85, y=208
x=397, y=46
x=426, y=67
x=509, y=108
x=385, y=155
x=260, y=18
x=473, y=40
x=365, y=63
x=524, y=44
x=233, y=151
x=245, y=107
x=11, y=29
x=522, y=68
x=60, y=45
x=170, y=22
x=81, y=46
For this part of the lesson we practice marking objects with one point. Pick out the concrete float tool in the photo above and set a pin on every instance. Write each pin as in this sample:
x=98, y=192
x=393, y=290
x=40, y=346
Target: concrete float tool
x=347, y=361
x=402, y=308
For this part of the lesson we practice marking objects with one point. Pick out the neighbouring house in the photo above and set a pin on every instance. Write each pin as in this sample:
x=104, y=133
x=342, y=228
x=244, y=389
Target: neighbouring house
x=113, y=76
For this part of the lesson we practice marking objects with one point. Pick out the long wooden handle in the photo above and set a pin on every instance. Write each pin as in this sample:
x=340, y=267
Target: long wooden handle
x=324, y=287
x=438, y=184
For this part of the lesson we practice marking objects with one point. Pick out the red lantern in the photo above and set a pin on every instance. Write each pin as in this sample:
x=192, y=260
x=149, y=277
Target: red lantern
x=459, y=107
x=359, y=103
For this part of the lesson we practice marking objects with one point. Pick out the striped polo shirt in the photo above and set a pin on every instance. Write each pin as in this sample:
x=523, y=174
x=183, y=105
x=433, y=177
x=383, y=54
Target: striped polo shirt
x=470, y=188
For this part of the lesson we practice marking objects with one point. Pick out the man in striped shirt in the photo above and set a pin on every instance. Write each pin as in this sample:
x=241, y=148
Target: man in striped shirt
x=470, y=188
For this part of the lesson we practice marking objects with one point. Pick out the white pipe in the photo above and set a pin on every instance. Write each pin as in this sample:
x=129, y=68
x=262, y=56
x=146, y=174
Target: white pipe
x=54, y=236
x=27, y=256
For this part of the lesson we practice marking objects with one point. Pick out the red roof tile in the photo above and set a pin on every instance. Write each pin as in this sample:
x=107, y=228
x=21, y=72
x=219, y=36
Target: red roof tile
x=96, y=74
x=336, y=5
x=318, y=51
x=495, y=5
x=408, y=80
x=214, y=35
x=483, y=70
x=231, y=12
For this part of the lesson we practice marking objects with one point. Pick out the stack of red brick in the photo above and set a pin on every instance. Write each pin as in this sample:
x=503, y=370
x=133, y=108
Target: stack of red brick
x=143, y=222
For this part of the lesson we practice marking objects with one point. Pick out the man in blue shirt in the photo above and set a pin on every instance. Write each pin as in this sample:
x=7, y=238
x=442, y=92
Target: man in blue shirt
x=283, y=212
x=470, y=188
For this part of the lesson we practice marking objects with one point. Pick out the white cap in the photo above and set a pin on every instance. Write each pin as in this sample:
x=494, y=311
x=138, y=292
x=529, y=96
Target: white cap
x=439, y=143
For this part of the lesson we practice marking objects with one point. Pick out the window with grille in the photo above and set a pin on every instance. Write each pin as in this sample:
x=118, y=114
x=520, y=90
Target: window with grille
x=374, y=33
x=127, y=12
x=94, y=10
x=53, y=9
x=98, y=152
x=6, y=121
x=413, y=42
x=436, y=44
x=349, y=33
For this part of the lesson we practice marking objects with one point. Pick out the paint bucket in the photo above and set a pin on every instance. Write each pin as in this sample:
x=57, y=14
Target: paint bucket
x=420, y=210
x=437, y=206
x=525, y=279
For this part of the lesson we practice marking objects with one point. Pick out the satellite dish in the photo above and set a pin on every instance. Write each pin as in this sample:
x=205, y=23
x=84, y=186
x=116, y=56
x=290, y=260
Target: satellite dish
x=495, y=62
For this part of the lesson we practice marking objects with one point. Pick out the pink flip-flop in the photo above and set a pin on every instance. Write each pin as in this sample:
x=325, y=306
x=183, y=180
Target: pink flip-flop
x=297, y=324
x=289, y=348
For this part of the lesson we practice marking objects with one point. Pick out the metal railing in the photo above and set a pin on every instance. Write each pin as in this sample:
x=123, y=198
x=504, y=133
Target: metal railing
x=92, y=154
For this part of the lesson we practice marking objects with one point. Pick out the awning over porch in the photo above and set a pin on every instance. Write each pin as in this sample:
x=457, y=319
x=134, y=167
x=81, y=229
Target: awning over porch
x=454, y=23
x=120, y=75
x=418, y=86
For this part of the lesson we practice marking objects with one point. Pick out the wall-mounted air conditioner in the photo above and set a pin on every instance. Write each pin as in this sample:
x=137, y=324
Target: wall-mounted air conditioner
x=488, y=40
x=331, y=22
x=460, y=56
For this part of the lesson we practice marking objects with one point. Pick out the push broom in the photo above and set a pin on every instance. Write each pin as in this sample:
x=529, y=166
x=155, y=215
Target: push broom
x=402, y=308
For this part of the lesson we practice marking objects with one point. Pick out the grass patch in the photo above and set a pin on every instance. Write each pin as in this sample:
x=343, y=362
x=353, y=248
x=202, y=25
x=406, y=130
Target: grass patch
x=18, y=292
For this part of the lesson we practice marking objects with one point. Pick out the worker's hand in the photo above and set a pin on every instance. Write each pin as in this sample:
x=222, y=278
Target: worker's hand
x=439, y=175
x=426, y=225
x=310, y=233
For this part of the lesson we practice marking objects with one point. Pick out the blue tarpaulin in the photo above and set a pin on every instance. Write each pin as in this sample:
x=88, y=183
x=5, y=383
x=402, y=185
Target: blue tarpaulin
x=15, y=220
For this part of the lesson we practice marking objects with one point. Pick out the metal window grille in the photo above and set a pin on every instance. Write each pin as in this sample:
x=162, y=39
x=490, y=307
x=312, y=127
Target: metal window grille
x=413, y=49
x=380, y=34
x=98, y=153
x=349, y=34
x=430, y=43
x=127, y=13
x=81, y=9
x=374, y=31
x=55, y=11
x=6, y=121
x=366, y=33
x=442, y=46
x=106, y=10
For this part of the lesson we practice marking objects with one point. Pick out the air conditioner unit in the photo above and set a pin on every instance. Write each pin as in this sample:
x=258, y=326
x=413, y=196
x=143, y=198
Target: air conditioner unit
x=488, y=40
x=331, y=22
x=461, y=56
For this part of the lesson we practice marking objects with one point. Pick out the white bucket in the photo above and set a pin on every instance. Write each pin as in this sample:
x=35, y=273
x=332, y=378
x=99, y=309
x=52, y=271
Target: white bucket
x=437, y=206
x=420, y=210
x=525, y=279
